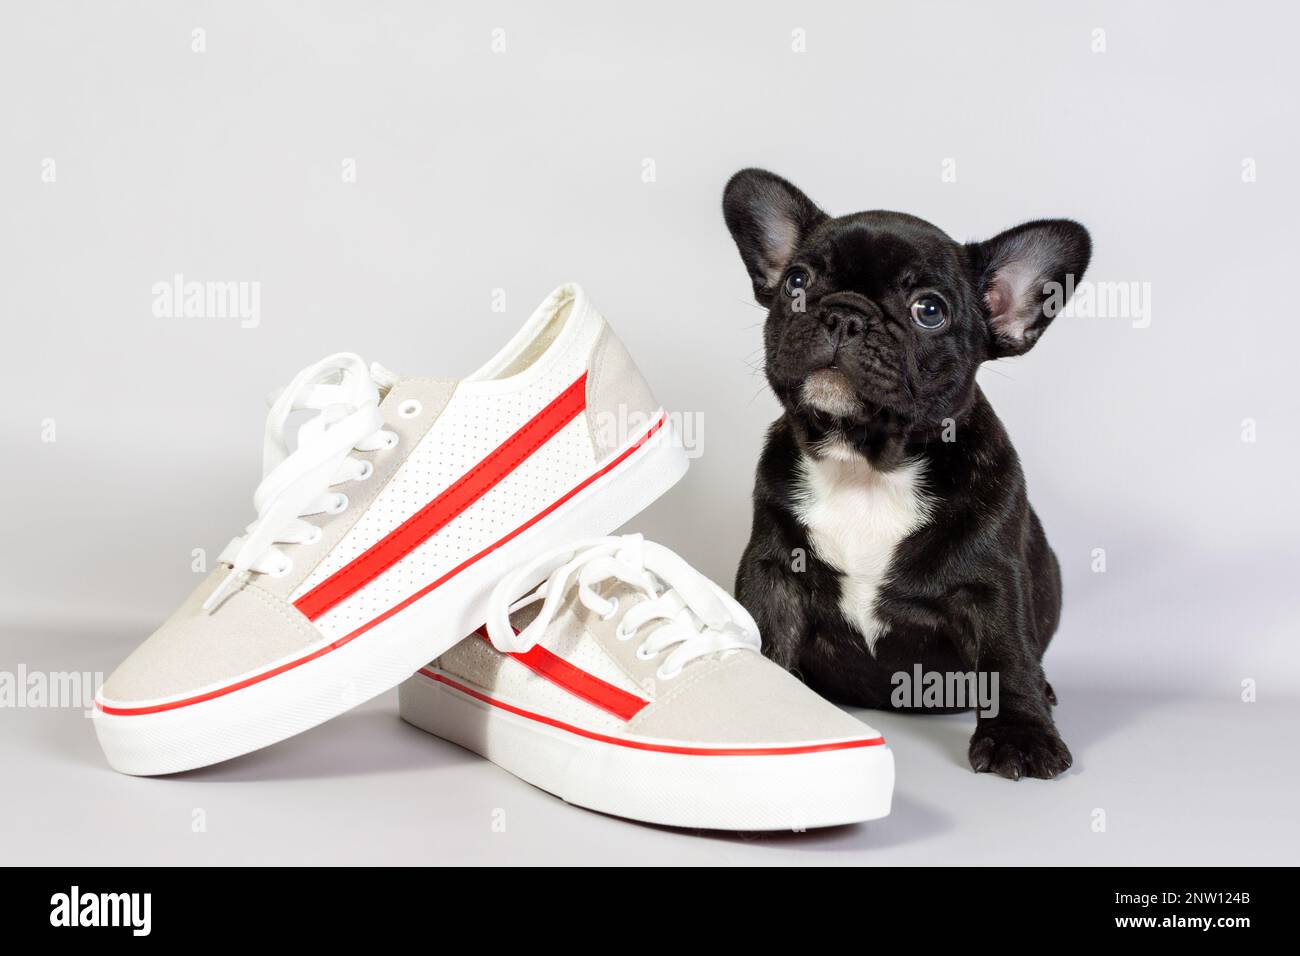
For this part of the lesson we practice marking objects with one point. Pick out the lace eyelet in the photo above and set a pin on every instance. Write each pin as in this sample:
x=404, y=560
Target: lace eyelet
x=643, y=655
x=410, y=408
x=664, y=674
x=620, y=634
x=391, y=443
x=316, y=535
x=283, y=569
x=339, y=506
x=612, y=610
x=367, y=469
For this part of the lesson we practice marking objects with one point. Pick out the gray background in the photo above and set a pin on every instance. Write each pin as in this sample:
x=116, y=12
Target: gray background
x=520, y=169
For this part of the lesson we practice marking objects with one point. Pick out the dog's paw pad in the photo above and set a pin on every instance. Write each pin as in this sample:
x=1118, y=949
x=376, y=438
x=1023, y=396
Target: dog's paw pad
x=1019, y=750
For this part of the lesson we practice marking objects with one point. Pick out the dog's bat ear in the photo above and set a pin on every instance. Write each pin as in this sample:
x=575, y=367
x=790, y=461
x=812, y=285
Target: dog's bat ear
x=1026, y=275
x=768, y=217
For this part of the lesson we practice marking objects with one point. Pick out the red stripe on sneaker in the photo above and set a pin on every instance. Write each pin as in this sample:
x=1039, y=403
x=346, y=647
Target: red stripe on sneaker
x=334, y=645
x=777, y=751
x=576, y=681
x=439, y=582
x=450, y=503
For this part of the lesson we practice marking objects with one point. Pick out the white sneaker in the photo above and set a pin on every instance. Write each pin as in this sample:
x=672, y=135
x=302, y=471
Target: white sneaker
x=636, y=688
x=381, y=533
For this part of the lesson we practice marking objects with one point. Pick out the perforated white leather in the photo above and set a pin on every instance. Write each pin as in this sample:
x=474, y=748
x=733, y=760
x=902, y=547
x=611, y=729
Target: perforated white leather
x=477, y=419
x=568, y=639
x=537, y=483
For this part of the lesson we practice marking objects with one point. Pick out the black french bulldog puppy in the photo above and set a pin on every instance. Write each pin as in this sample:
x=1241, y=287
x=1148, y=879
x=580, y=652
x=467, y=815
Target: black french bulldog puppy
x=891, y=522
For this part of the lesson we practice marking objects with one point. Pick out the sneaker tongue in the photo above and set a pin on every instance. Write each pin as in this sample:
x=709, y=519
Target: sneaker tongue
x=383, y=378
x=521, y=618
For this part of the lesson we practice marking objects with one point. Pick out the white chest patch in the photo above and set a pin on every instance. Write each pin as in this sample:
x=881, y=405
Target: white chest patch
x=856, y=516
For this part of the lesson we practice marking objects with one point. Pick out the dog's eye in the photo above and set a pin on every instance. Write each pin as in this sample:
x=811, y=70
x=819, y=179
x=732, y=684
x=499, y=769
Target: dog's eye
x=795, y=280
x=929, y=313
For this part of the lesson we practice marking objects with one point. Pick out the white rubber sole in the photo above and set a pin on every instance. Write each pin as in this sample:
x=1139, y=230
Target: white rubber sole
x=271, y=709
x=788, y=791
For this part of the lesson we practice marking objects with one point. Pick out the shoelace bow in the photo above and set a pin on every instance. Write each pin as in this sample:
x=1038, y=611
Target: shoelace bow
x=297, y=484
x=699, y=618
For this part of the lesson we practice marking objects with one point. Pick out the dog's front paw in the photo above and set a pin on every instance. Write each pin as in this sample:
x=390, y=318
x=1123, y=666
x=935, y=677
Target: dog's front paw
x=1015, y=749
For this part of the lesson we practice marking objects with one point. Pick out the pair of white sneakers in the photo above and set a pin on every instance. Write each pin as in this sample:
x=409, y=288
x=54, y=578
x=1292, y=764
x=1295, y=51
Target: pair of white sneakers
x=410, y=511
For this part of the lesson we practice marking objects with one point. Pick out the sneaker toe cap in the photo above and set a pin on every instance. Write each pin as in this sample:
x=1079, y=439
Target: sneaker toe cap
x=745, y=699
x=195, y=651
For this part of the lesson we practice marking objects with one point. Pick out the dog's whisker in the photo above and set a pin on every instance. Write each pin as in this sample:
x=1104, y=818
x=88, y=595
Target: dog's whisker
x=992, y=367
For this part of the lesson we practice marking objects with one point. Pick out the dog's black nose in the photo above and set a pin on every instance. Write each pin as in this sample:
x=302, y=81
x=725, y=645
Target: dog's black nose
x=841, y=323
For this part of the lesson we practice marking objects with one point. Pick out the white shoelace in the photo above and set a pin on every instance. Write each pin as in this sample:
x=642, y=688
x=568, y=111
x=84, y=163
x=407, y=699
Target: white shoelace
x=297, y=484
x=700, y=618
